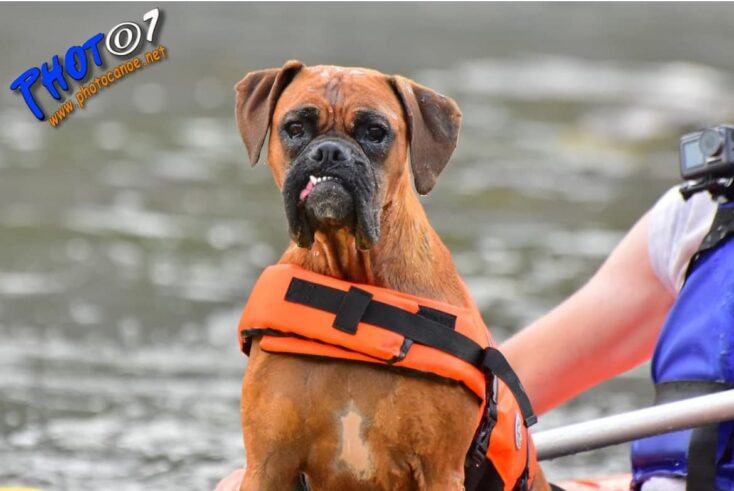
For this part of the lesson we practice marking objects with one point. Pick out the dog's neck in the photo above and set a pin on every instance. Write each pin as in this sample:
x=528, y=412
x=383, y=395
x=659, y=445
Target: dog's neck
x=410, y=257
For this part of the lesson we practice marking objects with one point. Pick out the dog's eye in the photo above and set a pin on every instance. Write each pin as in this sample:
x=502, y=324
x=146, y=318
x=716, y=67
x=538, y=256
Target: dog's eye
x=294, y=129
x=376, y=134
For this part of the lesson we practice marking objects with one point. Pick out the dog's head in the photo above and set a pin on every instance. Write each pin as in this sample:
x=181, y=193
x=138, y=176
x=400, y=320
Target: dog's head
x=340, y=140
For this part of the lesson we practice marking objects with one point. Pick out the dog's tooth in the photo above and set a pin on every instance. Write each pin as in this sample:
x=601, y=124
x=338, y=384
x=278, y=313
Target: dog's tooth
x=312, y=179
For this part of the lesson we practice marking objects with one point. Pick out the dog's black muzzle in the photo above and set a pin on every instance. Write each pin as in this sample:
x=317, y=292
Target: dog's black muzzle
x=332, y=184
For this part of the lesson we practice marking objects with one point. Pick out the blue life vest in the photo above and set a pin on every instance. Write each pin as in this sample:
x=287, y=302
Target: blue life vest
x=696, y=345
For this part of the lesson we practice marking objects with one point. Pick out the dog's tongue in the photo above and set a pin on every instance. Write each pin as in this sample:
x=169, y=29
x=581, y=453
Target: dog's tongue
x=307, y=190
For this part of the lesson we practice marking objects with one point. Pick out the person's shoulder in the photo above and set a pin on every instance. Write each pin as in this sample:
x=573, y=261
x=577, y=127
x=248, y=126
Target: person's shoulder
x=677, y=227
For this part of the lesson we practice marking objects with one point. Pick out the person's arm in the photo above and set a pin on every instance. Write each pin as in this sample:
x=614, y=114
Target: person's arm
x=607, y=327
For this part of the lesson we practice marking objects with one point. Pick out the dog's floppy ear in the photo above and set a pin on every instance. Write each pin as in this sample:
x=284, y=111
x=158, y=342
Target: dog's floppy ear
x=257, y=95
x=434, y=121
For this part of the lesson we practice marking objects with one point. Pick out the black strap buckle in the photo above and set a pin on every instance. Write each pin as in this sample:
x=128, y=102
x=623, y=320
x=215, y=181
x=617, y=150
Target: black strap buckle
x=480, y=444
x=523, y=484
x=702, y=458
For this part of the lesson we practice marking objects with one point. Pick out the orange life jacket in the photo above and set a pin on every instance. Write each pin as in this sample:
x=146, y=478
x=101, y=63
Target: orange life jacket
x=296, y=311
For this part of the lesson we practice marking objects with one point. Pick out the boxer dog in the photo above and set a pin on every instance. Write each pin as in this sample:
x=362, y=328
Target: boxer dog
x=343, y=142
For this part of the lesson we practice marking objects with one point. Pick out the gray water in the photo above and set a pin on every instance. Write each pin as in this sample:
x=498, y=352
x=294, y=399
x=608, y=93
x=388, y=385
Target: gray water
x=131, y=234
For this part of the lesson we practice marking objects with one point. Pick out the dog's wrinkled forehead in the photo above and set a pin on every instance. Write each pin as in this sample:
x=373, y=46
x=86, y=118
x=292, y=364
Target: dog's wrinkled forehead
x=338, y=94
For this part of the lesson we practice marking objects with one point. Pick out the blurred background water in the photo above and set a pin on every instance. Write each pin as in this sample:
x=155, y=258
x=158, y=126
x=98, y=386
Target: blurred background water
x=131, y=234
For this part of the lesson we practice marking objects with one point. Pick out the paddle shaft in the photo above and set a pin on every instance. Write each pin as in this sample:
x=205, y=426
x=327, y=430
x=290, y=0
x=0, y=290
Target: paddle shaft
x=612, y=430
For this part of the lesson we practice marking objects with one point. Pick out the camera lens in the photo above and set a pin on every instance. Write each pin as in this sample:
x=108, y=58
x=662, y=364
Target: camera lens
x=711, y=142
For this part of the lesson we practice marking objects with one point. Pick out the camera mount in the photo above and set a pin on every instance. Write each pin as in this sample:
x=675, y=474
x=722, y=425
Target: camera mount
x=721, y=189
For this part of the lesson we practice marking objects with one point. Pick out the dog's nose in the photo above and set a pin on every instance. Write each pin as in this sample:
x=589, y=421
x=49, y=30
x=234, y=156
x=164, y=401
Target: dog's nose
x=328, y=151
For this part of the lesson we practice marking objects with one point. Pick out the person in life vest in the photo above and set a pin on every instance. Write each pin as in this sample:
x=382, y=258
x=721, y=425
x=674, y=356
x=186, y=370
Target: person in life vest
x=655, y=295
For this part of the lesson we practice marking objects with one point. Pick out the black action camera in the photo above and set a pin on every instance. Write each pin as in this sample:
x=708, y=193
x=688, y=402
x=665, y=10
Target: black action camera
x=707, y=159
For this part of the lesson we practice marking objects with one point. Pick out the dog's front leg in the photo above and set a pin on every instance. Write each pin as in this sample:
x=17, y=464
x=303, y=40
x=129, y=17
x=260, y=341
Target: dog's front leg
x=272, y=426
x=269, y=478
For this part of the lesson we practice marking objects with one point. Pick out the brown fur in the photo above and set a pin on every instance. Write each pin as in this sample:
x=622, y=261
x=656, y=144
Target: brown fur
x=351, y=426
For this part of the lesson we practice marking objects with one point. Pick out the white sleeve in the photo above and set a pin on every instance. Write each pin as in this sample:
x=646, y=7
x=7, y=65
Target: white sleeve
x=677, y=228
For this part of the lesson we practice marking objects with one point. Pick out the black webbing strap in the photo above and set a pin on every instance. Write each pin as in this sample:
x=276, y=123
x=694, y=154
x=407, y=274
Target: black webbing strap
x=685, y=389
x=353, y=306
x=496, y=363
x=703, y=443
x=702, y=458
x=479, y=472
x=481, y=476
x=722, y=228
x=448, y=320
x=347, y=306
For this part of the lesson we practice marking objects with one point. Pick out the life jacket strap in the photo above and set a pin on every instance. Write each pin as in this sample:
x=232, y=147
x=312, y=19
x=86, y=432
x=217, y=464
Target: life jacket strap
x=479, y=472
x=495, y=362
x=357, y=305
x=702, y=458
x=677, y=390
x=703, y=443
x=721, y=229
